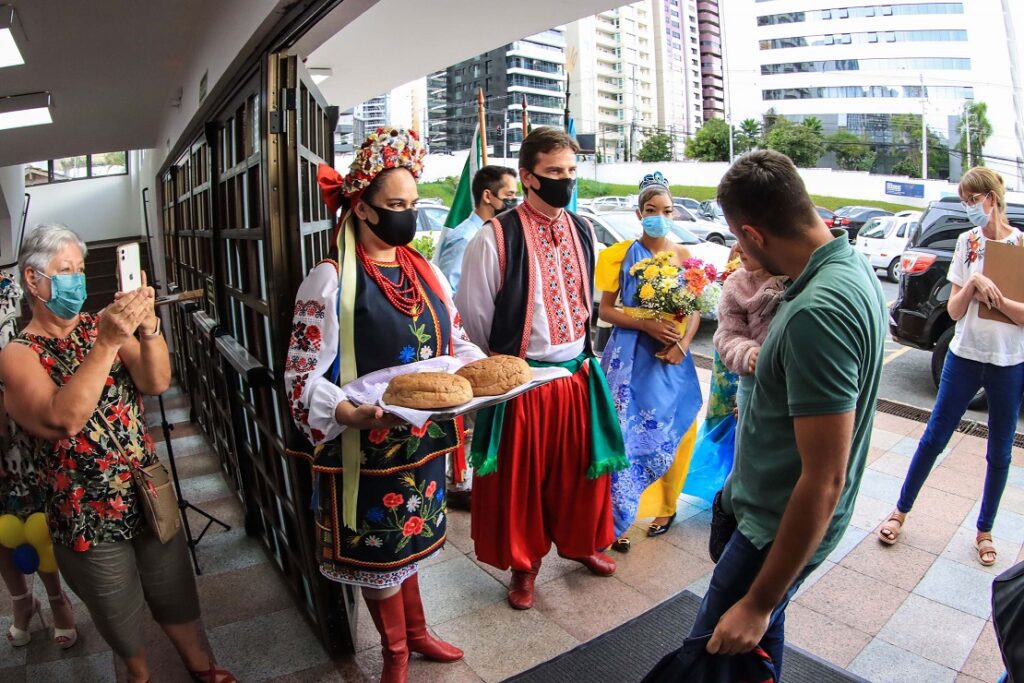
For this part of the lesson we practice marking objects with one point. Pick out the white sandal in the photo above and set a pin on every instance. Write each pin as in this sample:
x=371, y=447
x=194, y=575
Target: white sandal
x=18, y=637
x=64, y=637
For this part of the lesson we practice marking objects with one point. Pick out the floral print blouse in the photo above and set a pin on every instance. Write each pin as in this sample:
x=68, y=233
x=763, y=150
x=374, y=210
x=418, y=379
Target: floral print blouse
x=91, y=496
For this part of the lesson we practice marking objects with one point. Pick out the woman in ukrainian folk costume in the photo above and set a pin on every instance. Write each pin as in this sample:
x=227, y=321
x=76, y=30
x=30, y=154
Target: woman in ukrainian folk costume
x=651, y=374
x=380, y=483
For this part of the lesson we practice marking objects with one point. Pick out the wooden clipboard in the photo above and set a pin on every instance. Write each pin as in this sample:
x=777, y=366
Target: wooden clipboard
x=1004, y=265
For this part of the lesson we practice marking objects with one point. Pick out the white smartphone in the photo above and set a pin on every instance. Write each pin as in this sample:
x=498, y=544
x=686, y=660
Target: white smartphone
x=129, y=268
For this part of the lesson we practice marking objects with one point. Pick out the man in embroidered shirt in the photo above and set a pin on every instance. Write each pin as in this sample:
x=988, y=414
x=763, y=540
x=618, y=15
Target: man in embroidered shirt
x=542, y=460
x=804, y=433
x=494, y=190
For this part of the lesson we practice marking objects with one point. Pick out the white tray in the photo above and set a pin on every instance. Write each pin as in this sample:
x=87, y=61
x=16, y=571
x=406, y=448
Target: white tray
x=370, y=389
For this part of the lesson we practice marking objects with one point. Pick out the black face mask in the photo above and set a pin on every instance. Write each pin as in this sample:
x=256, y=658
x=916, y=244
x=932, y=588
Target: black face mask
x=556, y=192
x=394, y=228
x=508, y=204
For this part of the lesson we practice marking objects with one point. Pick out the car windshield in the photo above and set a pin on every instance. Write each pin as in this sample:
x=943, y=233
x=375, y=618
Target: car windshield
x=684, y=235
x=625, y=225
x=433, y=217
x=875, y=228
x=844, y=210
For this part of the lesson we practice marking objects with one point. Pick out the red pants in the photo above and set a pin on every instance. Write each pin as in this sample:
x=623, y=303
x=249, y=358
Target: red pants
x=540, y=493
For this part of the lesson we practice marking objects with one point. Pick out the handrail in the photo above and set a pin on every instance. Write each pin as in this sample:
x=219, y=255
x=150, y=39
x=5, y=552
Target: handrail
x=255, y=373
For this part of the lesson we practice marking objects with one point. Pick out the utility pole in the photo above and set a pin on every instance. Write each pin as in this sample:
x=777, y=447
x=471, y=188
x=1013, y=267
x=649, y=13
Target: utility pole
x=732, y=153
x=967, y=124
x=924, y=131
x=504, y=131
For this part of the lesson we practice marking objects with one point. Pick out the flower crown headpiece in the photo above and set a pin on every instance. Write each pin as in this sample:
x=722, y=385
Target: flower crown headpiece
x=655, y=178
x=383, y=149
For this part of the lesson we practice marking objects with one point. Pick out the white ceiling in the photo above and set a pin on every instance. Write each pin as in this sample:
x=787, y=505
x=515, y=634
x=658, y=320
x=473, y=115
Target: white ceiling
x=117, y=68
x=395, y=41
x=114, y=68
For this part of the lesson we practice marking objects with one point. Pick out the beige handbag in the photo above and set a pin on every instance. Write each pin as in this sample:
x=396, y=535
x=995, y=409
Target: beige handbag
x=155, y=493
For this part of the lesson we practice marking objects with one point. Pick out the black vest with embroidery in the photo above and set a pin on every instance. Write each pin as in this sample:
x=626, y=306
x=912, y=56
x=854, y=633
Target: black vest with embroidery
x=509, y=333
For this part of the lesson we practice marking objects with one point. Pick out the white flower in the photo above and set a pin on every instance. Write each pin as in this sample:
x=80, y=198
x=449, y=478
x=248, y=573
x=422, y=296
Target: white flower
x=373, y=542
x=426, y=352
x=413, y=504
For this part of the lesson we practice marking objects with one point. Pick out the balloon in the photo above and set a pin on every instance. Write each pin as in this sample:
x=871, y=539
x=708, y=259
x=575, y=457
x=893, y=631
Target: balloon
x=47, y=560
x=26, y=559
x=37, y=532
x=12, y=531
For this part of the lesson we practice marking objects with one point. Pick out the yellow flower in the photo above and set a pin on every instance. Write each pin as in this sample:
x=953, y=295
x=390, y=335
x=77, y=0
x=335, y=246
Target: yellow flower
x=669, y=271
x=651, y=272
x=669, y=284
x=647, y=292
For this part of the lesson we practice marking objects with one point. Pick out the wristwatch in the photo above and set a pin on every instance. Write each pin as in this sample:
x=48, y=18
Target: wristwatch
x=152, y=335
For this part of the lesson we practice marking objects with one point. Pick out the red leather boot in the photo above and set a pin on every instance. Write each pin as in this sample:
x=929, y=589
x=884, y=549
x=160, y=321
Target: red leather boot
x=416, y=634
x=520, y=589
x=389, y=618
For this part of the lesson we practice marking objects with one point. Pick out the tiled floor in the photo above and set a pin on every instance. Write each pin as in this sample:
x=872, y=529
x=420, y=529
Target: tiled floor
x=918, y=611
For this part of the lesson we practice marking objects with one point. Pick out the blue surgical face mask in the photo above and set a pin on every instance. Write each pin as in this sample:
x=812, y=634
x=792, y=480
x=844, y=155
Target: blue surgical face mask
x=67, y=294
x=976, y=214
x=656, y=226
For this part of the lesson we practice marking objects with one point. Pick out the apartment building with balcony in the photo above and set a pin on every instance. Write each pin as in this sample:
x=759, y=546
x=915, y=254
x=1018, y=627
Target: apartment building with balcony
x=709, y=27
x=678, y=70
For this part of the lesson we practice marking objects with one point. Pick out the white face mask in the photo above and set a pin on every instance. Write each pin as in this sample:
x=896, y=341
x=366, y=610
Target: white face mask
x=976, y=215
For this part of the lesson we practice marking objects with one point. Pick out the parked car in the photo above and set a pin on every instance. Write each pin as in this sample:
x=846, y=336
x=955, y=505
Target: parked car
x=882, y=241
x=430, y=221
x=918, y=316
x=853, y=218
x=617, y=226
x=826, y=215
x=602, y=204
x=710, y=231
x=690, y=204
x=712, y=210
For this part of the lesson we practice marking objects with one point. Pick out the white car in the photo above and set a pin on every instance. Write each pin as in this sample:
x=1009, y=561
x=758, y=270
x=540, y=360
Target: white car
x=883, y=239
x=602, y=204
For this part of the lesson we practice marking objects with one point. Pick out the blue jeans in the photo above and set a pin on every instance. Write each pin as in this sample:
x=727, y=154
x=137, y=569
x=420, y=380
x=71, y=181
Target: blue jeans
x=732, y=578
x=961, y=379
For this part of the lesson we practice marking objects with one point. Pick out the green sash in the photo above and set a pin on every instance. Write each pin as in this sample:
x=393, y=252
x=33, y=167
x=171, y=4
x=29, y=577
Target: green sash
x=608, y=452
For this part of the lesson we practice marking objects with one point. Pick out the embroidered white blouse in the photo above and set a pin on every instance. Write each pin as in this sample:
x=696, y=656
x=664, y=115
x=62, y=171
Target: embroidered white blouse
x=314, y=346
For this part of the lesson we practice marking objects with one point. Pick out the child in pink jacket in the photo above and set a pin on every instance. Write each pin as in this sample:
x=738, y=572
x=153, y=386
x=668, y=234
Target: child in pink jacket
x=749, y=300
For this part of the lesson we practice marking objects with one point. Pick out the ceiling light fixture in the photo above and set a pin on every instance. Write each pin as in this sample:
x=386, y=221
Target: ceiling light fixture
x=18, y=111
x=320, y=74
x=10, y=55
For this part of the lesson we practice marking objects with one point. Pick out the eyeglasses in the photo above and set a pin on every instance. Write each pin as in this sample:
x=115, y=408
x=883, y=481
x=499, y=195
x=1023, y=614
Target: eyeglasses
x=973, y=199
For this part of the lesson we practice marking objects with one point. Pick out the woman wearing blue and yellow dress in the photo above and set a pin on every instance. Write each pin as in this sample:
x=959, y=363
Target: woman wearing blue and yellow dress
x=651, y=375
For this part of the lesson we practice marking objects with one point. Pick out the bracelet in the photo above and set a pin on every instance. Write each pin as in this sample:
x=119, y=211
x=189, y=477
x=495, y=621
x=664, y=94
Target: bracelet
x=681, y=349
x=152, y=335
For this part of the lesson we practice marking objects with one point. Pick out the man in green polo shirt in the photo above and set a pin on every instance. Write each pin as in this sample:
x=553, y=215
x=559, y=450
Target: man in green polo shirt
x=804, y=433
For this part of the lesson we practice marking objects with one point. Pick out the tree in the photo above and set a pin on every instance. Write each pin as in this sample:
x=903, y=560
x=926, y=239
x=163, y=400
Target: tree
x=976, y=115
x=768, y=121
x=748, y=136
x=814, y=123
x=656, y=148
x=852, y=153
x=906, y=129
x=711, y=143
x=801, y=143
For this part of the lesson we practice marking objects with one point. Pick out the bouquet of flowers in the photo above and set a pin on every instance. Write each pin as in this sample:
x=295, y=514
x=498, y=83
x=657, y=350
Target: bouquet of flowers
x=671, y=290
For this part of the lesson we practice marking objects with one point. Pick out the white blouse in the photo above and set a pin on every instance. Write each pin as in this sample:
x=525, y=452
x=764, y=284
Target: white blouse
x=312, y=395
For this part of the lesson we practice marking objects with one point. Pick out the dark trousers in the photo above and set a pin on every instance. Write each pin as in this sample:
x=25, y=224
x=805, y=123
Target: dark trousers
x=732, y=578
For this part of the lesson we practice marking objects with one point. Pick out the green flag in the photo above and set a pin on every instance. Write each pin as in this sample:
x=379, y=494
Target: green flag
x=462, y=204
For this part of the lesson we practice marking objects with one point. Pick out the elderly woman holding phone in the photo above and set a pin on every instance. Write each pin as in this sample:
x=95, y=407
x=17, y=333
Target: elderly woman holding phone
x=74, y=382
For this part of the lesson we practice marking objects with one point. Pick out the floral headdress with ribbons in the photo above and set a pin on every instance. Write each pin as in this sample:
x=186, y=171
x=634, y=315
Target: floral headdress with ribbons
x=383, y=149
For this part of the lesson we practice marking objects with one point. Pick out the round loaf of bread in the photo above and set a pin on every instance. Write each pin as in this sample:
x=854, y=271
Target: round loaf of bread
x=496, y=375
x=428, y=391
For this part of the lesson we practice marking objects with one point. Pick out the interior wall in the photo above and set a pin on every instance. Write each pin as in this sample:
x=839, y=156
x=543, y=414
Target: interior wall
x=12, y=200
x=96, y=208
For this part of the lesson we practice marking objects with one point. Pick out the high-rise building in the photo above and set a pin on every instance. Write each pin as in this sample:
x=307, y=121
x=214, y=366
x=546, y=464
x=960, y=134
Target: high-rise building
x=679, y=104
x=437, y=115
x=855, y=67
x=374, y=112
x=709, y=26
x=533, y=67
x=612, y=85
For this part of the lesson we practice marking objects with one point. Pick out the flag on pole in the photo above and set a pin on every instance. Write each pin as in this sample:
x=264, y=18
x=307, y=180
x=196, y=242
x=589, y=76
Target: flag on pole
x=571, y=130
x=462, y=204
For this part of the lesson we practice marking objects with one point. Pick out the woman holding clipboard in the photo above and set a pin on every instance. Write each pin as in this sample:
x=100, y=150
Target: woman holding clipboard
x=984, y=353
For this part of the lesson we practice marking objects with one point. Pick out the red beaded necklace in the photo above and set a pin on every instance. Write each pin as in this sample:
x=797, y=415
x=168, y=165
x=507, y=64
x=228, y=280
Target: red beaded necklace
x=405, y=295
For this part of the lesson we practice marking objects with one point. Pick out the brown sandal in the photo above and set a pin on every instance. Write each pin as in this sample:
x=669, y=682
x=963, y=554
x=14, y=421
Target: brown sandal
x=212, y=675
x=985, y=546
x=893, y=530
